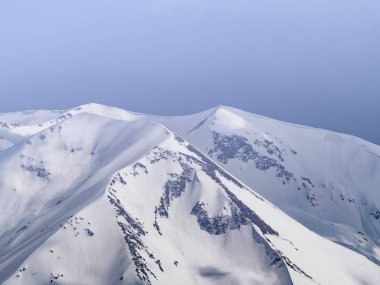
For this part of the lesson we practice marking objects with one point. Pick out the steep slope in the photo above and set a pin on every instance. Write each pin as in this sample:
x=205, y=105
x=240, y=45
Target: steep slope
x=327, y=181
x=50, y=176
x=102, y=201
x=4, y=143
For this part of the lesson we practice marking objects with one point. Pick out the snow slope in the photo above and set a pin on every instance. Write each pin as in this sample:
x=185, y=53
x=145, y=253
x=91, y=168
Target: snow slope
x=325, y=180
x=51, y=175
x=31, y=117
x=114, y=198
x=16, y=127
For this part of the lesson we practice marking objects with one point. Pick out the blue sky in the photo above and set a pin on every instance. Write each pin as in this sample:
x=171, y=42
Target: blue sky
x=310, y=62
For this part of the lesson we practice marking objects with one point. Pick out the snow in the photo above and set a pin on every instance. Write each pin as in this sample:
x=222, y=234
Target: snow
x=223, y=118
x=344, y=172
x=30, y=117
x=100, y=195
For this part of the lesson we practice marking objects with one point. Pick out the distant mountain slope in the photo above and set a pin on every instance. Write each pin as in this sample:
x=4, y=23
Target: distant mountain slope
x=17, y=126
x=31, y=117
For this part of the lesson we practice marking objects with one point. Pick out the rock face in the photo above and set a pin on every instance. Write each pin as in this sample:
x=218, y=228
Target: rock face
x=231, y=147
x=126, y=201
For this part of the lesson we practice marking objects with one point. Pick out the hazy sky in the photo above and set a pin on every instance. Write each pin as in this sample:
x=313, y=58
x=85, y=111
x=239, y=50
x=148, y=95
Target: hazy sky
x=314, y=62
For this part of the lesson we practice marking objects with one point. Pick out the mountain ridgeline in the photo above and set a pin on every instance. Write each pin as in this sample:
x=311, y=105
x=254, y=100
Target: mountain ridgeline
x=100, y=195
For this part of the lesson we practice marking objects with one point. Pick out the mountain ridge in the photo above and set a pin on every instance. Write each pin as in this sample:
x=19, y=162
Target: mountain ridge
x=167, y=175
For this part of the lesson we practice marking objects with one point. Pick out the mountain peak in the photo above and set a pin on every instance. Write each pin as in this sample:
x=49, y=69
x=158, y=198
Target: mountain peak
x=68, y=178
x=226, y=117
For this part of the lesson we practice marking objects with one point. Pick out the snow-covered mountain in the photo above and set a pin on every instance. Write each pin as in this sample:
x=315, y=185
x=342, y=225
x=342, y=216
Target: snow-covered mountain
x=99, y=195
x=328, y=181
x=16, y=127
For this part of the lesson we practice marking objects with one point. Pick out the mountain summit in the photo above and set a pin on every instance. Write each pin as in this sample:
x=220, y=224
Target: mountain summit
x=100, y=195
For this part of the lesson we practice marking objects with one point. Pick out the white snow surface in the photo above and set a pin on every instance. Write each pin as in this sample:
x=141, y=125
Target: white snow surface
x=100, y=195
x=334, y=178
